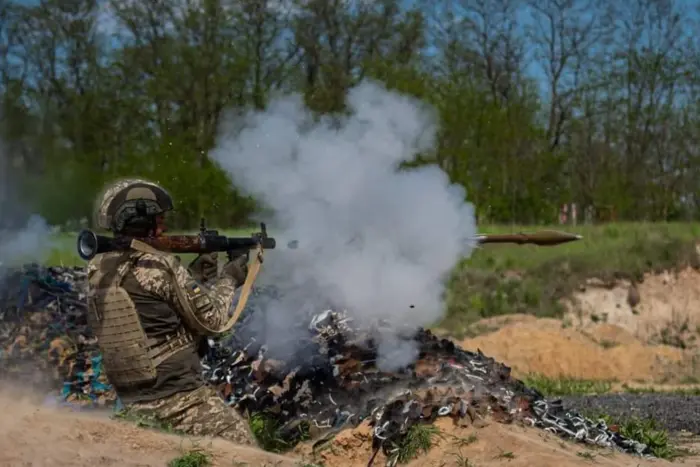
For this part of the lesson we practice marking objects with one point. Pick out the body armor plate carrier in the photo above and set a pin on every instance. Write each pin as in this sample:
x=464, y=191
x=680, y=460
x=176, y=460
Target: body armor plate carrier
x=130, y=357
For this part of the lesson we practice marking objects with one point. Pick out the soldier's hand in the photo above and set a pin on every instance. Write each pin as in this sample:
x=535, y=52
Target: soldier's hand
x=204, y=267
x=237, y=267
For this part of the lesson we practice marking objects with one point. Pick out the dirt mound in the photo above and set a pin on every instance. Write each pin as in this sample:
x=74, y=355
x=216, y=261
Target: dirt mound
x=597, y=351
x=661, y=308
x=492, y=444
x=33, y=435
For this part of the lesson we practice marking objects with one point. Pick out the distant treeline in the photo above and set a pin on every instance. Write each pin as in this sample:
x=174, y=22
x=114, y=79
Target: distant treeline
x=542, y=102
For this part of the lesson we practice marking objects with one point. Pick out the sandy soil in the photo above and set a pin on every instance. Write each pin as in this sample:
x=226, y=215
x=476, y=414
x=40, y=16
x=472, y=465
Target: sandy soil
x=36, y=436
x=662, y=307
x=598, y=351
x=625, y=332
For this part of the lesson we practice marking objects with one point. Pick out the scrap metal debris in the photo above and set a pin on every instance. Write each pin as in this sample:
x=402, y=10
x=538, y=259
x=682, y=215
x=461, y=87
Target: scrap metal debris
x=330, y=382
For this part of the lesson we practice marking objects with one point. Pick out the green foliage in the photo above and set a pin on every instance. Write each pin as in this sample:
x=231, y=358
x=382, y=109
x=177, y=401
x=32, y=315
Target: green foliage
x=81, y=105
x=647, y=431
x=265, y=428
x=417, y=440
x=566, y=386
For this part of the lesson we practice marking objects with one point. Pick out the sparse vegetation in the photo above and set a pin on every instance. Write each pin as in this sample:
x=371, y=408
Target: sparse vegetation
x=418, y=439
x=265, y=428
x=505, y=455
x=144, y=421
x=192, y=458
x=643, y=430
x=462, y=461
x=505, y=279
x=566, y=386
x=465, y=441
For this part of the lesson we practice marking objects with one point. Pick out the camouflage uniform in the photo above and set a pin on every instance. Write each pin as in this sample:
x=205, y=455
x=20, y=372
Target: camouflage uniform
x=173, y=311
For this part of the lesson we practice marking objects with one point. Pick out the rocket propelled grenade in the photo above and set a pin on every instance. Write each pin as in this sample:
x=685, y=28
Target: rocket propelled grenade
x=541, y=238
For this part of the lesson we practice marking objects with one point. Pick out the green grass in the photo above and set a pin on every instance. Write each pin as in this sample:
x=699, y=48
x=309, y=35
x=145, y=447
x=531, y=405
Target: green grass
x=552, y=387
x=645, y=430
x=144, y=421
x=265, y=428
x=193, y=458
x=418, y=440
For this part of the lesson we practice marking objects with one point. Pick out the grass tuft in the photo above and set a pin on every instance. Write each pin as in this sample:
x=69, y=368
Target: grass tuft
x=566, y=386
x=193, y=458
x=266, y=430
x=417, y=440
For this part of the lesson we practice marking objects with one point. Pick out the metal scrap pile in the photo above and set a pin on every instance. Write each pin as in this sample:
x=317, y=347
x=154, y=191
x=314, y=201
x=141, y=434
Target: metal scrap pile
x=331, y=381
x=44, y=338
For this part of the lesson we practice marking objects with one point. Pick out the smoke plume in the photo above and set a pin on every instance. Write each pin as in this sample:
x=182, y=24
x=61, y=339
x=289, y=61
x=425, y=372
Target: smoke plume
x=373, y=239
x=24, y=237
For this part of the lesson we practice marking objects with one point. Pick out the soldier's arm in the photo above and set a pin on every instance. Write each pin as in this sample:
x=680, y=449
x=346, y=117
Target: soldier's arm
x=204, y=309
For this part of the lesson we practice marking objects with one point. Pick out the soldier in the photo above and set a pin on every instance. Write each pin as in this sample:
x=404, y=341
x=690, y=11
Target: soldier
x=148, y=312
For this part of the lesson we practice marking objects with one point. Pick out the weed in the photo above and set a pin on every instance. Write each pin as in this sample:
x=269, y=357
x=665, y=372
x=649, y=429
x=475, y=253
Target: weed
x=265, y=428
x=462, y=461
x=461, y=442
x=566, y=386
x=419, y=438
x=505, y=455
x=646, y=431
x=606, y=344
x=193, y=458
x=144, y=421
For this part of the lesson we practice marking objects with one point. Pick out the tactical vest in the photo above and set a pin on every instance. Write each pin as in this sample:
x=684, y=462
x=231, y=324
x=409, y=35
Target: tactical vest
x=130, y=357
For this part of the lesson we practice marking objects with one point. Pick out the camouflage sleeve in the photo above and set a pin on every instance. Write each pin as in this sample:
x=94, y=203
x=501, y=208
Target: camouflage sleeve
x=209, y=305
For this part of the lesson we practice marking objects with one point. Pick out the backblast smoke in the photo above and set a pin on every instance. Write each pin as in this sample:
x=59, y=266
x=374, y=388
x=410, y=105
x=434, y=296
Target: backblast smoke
x=23, y=237
x=374, y=239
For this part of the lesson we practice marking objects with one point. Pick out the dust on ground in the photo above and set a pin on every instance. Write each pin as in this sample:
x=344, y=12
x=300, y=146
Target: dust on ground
x=489, y=444
x=38, y=436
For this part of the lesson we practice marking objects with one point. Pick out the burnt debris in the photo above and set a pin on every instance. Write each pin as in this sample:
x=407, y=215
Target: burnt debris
x=331, y=382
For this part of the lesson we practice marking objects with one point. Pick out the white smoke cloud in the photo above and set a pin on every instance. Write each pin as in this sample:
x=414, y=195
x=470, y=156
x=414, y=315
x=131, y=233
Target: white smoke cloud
x=372, y=239
x=23, y=238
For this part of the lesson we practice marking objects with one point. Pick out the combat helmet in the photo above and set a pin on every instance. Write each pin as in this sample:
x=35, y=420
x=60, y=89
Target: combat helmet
x=133, y=202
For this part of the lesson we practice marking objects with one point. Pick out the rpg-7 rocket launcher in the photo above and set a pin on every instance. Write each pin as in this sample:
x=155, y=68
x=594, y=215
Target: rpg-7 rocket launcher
x=207, y=241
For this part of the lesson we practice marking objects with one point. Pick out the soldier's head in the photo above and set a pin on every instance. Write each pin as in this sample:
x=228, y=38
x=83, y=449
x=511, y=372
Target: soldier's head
x=133, y=207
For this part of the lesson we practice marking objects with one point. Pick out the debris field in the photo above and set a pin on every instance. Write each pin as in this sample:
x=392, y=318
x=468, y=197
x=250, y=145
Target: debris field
x=330, y=382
